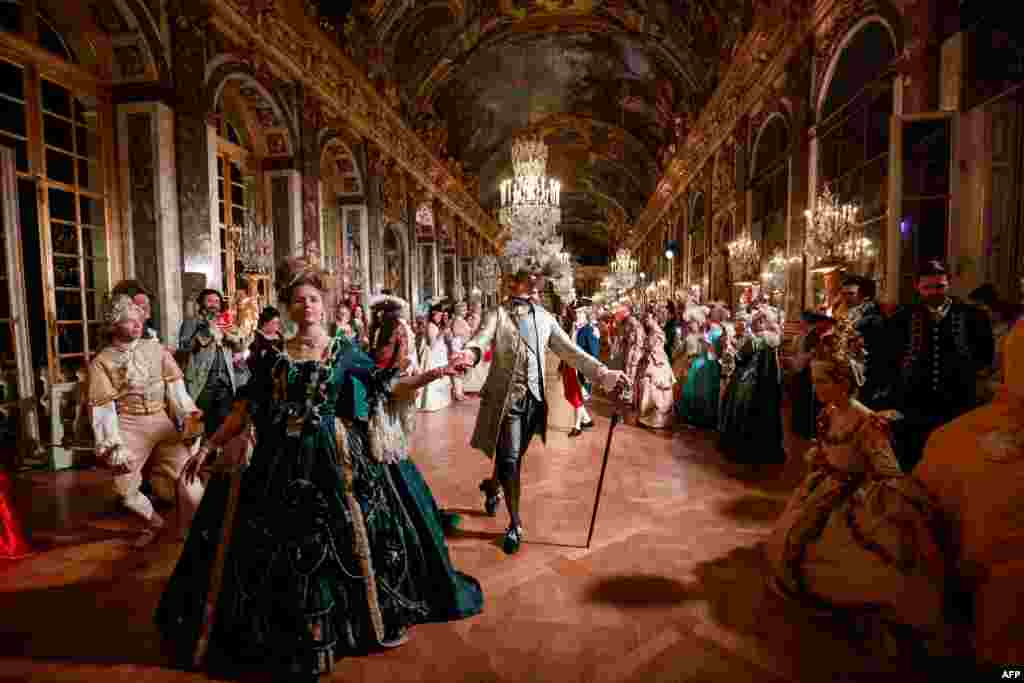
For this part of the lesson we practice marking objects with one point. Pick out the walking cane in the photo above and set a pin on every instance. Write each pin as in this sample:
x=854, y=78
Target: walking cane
x=217, y=571
x=600, y=480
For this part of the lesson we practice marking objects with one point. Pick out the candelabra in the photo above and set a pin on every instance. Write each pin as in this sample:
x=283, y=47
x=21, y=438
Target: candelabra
x=744, y=261
x=832, y=236
x=530, y=201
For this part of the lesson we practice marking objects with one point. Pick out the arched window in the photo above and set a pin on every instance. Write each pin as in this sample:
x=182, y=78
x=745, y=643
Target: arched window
x=60, y=134
x=853, y=138
x=235, y=184
x=770, y=186
x=50, y=39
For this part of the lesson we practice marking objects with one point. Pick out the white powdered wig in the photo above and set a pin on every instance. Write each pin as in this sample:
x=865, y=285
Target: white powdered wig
x=403, y=305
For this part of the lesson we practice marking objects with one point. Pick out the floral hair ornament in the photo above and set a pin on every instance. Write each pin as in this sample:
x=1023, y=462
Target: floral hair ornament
x=121, y=307
x=841, y=348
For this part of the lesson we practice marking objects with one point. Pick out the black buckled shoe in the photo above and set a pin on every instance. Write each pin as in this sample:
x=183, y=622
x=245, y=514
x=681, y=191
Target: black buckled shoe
x=575, y=432
x=492, y=496
x=513, y=539
x=589, y=424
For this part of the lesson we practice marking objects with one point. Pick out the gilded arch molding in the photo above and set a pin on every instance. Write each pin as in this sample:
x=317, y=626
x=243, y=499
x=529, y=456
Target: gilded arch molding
x=349, y=100
x=759, y=62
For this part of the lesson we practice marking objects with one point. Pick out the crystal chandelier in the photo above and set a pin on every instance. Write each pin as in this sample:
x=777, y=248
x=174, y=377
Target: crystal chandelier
x=744, y=260
x=255, y=247
x=530, y=201
x=623, y=270
x=832, y=236
x=487, y=273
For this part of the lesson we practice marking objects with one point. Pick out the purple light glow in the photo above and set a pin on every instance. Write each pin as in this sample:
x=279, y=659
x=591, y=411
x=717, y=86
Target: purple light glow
x=904, y=227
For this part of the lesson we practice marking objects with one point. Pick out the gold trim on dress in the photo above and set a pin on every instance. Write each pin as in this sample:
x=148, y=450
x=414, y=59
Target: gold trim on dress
x=361, y=544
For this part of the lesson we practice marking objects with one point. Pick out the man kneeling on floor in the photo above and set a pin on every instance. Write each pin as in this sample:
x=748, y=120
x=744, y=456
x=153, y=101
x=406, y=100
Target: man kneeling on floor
x=140, y=409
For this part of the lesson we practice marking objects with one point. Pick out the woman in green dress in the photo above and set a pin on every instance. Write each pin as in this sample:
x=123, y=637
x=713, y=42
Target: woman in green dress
x=698, y=406
x=330, y=551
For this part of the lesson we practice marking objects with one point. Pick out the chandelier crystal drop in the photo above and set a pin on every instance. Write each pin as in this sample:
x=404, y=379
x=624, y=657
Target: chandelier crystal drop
x=833, y=239
x=530, y=201
x=744, y=261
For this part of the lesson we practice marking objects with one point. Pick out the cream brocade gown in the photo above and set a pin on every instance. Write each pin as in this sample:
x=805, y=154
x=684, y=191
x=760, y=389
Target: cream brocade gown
x=433, y=353
x=857, y=534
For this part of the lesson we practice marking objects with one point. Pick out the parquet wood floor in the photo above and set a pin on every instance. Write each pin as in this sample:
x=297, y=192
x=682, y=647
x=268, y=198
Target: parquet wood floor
x=671, y=589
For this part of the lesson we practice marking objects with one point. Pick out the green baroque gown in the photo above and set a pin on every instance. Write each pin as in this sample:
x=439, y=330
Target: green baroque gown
x=333, y=551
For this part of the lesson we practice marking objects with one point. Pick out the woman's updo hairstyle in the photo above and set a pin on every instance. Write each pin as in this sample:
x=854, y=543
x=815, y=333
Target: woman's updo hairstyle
x=296, y=271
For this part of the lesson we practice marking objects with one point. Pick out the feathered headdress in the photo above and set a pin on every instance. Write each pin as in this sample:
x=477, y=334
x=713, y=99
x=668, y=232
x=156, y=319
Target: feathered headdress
x=842, y=348
x=390, y=301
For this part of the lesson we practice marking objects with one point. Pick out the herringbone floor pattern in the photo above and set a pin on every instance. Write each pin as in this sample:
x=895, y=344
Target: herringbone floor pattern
x=670, y=590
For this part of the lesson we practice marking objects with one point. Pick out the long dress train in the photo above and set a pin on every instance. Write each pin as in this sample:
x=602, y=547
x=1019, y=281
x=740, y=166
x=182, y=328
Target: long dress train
x=333, y=551
x=858, y=535
x=751, y=412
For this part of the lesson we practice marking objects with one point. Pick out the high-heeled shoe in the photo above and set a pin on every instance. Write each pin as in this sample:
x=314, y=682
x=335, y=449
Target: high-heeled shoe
x=574, y=432
x=589, y=424
x=513, y=539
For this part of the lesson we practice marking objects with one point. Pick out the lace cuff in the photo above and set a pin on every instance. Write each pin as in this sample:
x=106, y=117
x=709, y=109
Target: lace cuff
x=106, y=427
x=178, y=400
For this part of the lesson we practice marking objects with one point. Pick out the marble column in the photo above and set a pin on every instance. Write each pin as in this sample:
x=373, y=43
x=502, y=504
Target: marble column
x=195, y=150
x=150, y=208
x=799, y=201
x=286, y=212
x=309, y=165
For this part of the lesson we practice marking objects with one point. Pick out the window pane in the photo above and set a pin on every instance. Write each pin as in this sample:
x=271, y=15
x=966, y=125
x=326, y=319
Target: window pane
x=11, y=80
x=89, y=176
x=69, y=305
x=12, y=116
x=94, y=304
x=875, y=190
x=62, y=205
x=65, y=238
x=58, y=133
x=85, y=113
x=92, y=210
x=95, y=337
x=94, y=242
x=56, y=100
x=96, y=276
x=69, y=339
x=10, y=17
x=60, y=167
x=20, y=151
x=88, y=143
x=66, y=272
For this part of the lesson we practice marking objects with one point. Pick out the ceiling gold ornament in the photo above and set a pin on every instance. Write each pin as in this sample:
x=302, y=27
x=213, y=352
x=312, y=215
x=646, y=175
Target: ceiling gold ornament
x=764, y=55
x=329, y=73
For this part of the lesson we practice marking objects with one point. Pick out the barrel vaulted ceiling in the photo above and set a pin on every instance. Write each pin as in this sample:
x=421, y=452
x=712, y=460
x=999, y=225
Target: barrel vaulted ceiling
x=609, y=84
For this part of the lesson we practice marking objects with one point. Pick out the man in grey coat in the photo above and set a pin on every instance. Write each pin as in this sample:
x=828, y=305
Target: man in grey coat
x=209, y=340
x=512, y=406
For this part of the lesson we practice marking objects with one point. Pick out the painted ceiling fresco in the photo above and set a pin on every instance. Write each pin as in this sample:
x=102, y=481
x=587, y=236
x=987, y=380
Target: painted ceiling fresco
x=611, y=84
